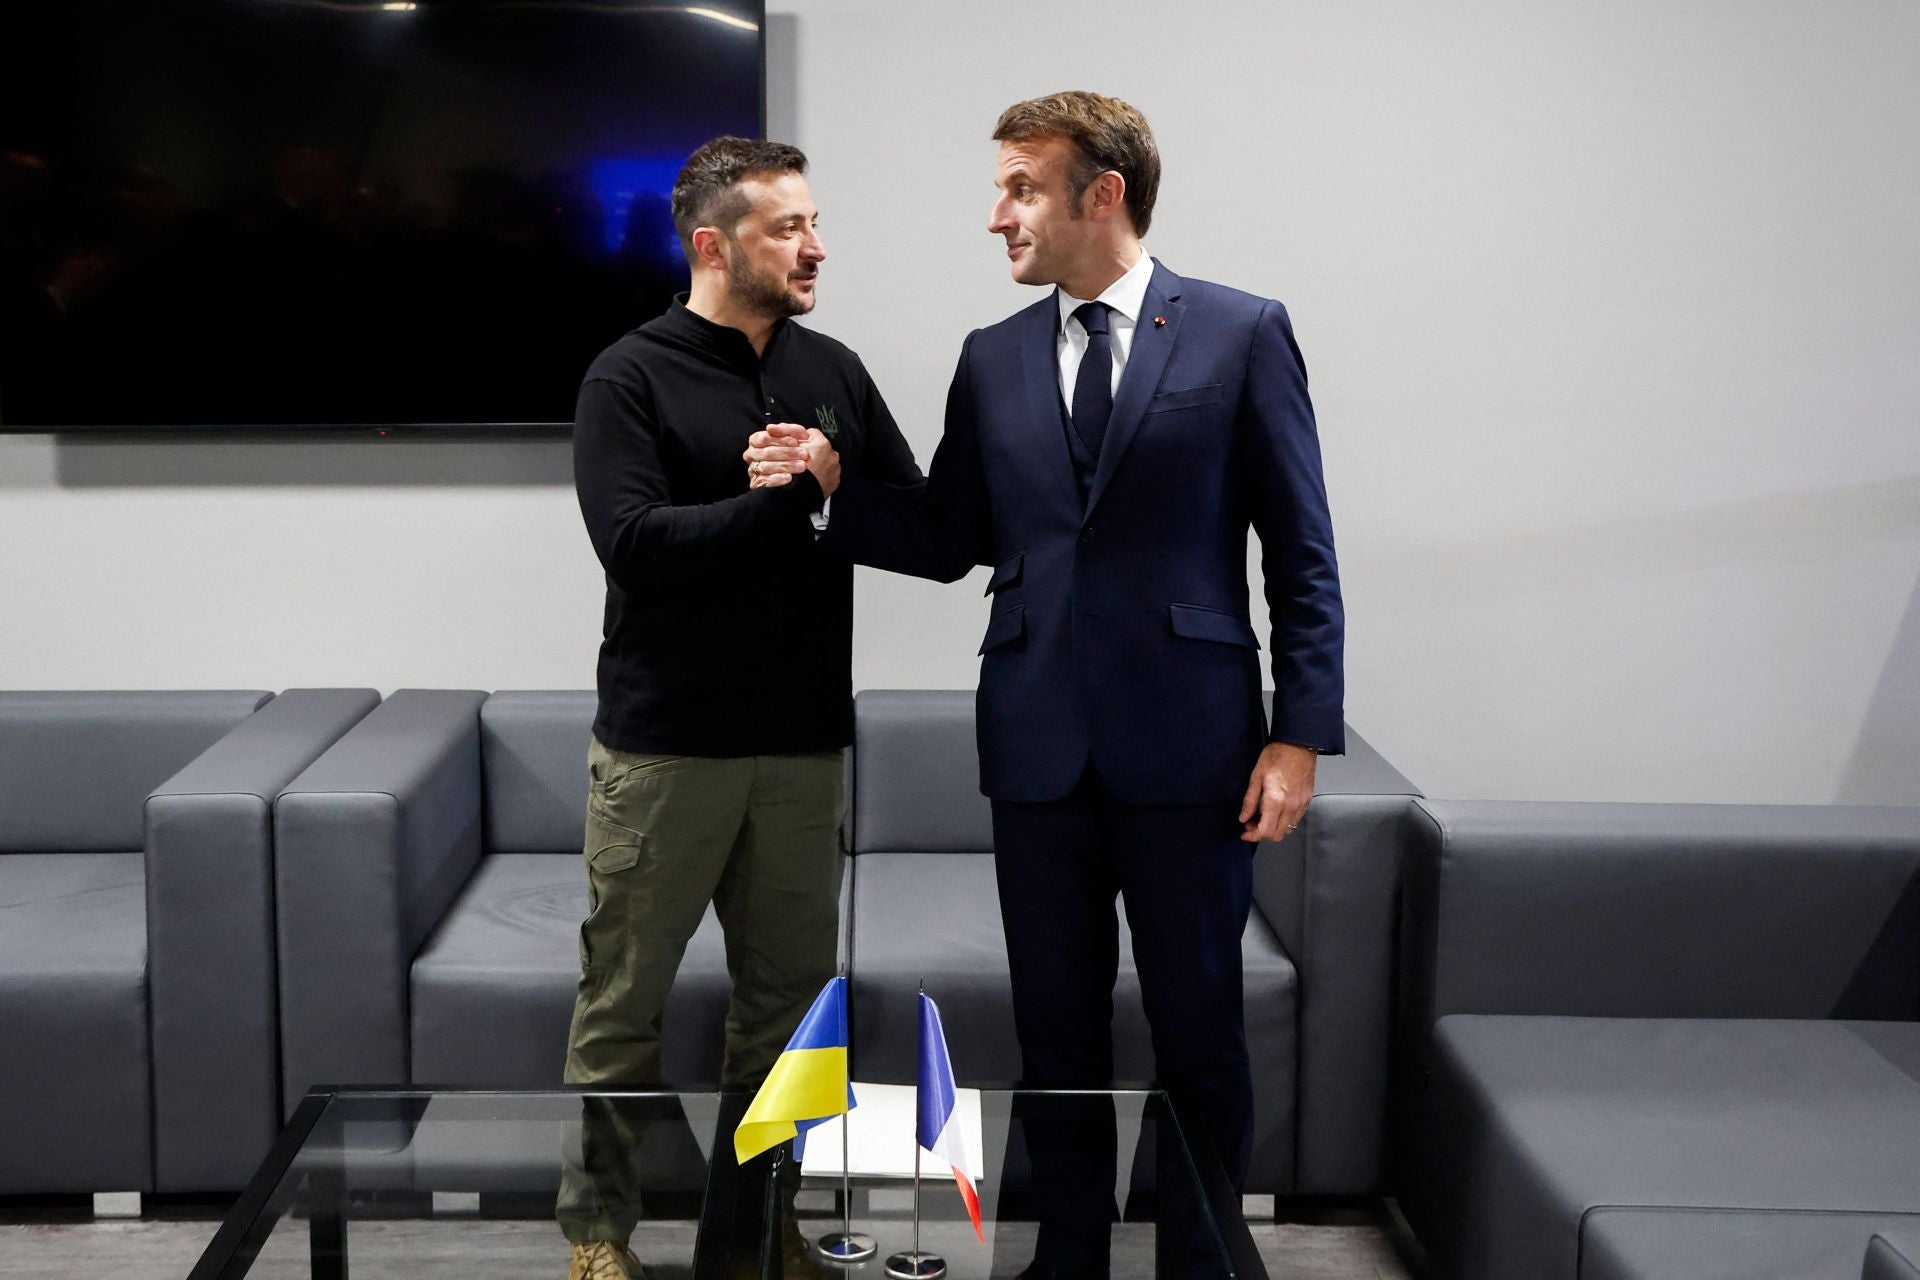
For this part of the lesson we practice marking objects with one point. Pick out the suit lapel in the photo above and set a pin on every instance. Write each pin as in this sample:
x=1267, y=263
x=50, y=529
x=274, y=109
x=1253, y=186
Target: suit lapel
x=1040, y=354
x=1146, y=361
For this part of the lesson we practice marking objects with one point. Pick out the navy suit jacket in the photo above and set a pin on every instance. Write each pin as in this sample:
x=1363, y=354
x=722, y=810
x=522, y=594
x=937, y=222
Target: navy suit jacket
x=1120, y=628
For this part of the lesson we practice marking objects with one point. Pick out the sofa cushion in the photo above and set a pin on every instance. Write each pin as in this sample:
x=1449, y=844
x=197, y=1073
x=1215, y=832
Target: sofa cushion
x=936, y=917
x=74, y=1113
x=493, y=988
x=1627, y=1243
x=1538, y=1120
x=533, y=762
x=916, y=784
x=1662, y=910
x=71, y=914
x=75, y=768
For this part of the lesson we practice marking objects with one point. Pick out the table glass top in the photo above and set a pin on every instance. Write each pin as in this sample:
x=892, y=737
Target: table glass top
x=412, y=1183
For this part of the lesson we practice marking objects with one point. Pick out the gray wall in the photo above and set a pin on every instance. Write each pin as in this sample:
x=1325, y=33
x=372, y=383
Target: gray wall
x=1611, y=313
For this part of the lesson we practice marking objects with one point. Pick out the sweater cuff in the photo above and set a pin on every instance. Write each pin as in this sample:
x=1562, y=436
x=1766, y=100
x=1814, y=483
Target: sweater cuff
x=801, y=495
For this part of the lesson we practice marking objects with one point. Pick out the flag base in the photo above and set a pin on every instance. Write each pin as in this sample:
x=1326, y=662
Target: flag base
x=846, y=1247
x=916, y=1266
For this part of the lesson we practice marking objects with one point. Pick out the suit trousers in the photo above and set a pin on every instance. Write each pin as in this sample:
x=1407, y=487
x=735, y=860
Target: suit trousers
x=1185, y=879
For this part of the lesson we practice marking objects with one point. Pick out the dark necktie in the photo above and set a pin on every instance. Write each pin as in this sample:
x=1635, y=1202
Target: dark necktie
x=1093, y=388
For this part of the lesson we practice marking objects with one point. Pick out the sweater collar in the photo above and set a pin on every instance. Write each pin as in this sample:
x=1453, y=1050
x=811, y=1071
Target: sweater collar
x=722, y=342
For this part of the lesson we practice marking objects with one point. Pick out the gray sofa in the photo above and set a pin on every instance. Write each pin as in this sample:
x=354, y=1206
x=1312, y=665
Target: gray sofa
x=429, y=898
x=137, y=1037
x=1656, y=1041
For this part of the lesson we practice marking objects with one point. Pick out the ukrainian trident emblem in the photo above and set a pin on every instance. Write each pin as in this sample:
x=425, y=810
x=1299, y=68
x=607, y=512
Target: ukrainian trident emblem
x=829, y=425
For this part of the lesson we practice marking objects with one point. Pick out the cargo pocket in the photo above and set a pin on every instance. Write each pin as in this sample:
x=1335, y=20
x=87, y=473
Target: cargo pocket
x=610, y=849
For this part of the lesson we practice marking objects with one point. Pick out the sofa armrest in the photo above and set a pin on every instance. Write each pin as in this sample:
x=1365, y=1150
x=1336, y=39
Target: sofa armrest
x=1329, y=892
x=210, y=953
x=916, y=774
x=1892, y=1255
x=1629, y=910
x=372, y=844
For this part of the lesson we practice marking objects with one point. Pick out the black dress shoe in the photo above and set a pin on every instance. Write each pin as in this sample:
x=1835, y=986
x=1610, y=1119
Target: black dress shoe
x=1038, y=1270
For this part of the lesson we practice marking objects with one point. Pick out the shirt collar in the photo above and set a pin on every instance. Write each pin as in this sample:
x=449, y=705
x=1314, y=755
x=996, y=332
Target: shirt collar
x=1127, y=295
x=722, y=341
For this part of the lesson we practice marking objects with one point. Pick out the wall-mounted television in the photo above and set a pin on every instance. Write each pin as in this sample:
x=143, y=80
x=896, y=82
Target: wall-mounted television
x=336, y=214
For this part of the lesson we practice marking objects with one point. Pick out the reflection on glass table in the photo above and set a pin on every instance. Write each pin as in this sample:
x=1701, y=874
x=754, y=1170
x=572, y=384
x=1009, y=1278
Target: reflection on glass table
x=401, y=1183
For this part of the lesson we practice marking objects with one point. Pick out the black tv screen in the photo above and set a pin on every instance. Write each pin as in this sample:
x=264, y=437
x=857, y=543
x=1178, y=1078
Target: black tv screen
x=247, y=213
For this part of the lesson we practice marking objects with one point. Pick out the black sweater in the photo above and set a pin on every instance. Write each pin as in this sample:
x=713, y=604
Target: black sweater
x=728, y=629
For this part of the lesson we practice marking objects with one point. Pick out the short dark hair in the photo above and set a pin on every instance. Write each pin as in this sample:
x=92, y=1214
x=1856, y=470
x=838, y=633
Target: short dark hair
x=1108, y=134
x=707, y=192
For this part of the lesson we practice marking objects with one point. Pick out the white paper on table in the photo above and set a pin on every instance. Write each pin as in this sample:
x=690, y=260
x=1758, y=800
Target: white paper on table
x=880, y=1139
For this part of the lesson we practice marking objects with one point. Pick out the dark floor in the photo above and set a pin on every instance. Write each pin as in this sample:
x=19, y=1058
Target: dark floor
x=55, y=1241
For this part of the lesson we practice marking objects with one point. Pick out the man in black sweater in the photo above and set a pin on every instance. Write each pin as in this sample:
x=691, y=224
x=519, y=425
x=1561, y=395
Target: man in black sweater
x=709, y=783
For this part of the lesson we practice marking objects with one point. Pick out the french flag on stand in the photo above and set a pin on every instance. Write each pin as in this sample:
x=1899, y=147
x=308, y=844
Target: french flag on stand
x=939, y=1123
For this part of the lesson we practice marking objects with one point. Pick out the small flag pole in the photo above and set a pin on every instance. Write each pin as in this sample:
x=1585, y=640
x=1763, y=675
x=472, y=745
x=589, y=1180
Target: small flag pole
x=844, y=1246
x=915, y=1265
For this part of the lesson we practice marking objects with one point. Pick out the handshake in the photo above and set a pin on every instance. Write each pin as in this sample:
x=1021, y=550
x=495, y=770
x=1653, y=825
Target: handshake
x=785, y=449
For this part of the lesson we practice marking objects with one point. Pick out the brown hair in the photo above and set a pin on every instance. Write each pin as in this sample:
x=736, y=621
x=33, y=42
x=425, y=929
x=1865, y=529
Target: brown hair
x=1106, y=132
x=707, y=192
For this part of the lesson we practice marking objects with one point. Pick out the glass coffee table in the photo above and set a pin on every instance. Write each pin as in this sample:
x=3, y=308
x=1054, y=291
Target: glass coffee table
x=420, y=1183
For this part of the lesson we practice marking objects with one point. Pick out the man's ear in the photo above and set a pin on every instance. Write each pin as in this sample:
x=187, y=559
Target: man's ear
x=1107, y=196
x=710, y=248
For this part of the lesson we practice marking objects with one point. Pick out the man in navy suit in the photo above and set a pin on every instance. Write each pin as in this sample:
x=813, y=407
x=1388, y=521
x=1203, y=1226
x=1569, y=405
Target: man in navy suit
x=1106, y=451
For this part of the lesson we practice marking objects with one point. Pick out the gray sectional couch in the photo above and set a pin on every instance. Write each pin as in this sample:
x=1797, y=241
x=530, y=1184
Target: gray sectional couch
x=1642, y=1042
x=429, y=897
x=1609, y=1042
x=137, y=1024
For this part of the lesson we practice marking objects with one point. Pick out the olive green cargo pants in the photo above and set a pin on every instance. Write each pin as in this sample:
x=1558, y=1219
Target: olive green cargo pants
x=759, y=838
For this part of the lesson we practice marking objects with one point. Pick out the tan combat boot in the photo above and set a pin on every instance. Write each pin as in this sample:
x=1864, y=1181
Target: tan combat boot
x=604, y=1260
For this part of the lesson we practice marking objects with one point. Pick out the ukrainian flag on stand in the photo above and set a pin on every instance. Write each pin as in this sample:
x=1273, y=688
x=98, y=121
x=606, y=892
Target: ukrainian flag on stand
x=808, y=1082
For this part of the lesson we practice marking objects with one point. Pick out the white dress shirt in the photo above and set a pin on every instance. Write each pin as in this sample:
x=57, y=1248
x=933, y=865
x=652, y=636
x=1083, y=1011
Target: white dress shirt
x=1126, y=296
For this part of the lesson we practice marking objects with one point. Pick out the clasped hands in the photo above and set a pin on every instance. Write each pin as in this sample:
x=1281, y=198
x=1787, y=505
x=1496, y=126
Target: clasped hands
x=785, y=449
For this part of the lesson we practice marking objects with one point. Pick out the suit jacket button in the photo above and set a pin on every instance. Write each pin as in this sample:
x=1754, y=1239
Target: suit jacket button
x=1086, y=535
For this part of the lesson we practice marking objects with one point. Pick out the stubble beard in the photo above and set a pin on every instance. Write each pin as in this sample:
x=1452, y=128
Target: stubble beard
x=764, y=293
